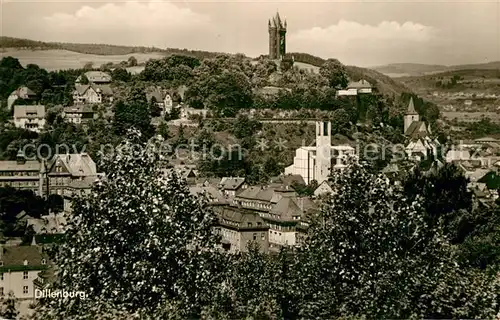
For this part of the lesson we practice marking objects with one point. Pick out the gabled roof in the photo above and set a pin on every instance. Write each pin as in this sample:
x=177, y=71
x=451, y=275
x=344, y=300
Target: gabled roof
x=96, y=76
x=361, y=84
x=104, y=89
x=411, y=108
x=78, y=164
x=25, y=111
x=416, y=130
x=16, y=255
x=231, y=183
x=23, y=92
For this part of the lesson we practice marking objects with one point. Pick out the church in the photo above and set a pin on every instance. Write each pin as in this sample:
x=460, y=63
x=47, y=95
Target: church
x=318, y=162
x=420, y=145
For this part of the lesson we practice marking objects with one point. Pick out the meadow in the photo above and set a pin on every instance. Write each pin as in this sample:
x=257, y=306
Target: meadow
x=62, y=59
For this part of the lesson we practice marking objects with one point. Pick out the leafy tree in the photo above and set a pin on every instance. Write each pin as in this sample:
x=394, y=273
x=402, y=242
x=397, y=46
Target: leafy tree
x=340, y=122
x=335, y=72
x=445, y=197
x=370, y=253
x=9, y=310
x=84, y=79
x=55, y=203
x=245, y=127
x=139, y=244
x=88, y=65
x=132, y=115
x=132, y=61
x=121, y=74
x=163, y=130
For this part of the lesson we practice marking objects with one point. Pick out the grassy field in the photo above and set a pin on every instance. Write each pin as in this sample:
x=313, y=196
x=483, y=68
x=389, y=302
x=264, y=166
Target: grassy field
x=62, y=59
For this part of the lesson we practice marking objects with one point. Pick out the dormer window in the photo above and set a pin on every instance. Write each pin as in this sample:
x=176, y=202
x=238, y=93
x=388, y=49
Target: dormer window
x=25, y=262
x=1, y=263
x=44, y=262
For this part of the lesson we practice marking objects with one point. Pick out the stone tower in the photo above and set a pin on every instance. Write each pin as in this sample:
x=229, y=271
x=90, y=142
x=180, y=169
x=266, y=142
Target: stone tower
x=277, y=38
x=323, y=161
x=410, y=116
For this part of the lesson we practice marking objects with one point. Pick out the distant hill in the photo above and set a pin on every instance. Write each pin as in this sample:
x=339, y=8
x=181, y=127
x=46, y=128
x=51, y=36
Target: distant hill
x=415, y=69
x=96, y=49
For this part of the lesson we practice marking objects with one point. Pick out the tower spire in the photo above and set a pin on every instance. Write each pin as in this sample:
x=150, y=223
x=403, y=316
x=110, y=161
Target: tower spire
x=411, y=108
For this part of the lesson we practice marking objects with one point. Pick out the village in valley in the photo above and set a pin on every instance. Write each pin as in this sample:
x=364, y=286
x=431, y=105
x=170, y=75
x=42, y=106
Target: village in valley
x=293, y=124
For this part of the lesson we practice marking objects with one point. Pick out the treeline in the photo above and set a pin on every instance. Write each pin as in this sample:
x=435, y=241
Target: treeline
x=53, y=87
x=97, y=49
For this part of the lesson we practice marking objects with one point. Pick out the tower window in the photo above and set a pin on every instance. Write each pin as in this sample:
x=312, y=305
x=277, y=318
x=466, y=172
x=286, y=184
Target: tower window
x=325, y=128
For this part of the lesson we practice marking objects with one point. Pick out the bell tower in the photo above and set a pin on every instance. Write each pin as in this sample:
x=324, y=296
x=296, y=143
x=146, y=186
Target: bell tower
x=323, y=160
x=410, y=116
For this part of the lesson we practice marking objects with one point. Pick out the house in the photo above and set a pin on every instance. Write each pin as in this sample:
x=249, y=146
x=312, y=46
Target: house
x=162, y=97
x=29, y=117
x=231, y=185
x=19, y=268
x=95, y=77
x=92, y=94
x=78, y=114
x=454, y=155
x=23, y=93
x=212, y=193
x=317, y=163
x=23, y=174
x=281, y=209
x=354, y=88
x=187, y=112
x=67, y=168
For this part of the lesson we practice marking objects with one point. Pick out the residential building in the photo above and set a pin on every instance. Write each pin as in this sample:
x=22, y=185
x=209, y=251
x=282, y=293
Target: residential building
x=23, y=93
x=162, y=97
x=23, y=174
x=29, y=117
x=96, y=77
x=317, y=163
x=92, y=94
x=19, y=268
x=281, y=209
x=356, y=87
x=64, y=169
x=78, y=114
x=230, y=185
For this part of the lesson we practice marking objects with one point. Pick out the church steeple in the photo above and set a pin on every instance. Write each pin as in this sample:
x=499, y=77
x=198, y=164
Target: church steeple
x=411, y=108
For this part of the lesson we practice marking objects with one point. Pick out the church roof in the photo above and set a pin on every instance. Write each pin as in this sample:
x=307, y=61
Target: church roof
x=416, y=130
x=411, y=108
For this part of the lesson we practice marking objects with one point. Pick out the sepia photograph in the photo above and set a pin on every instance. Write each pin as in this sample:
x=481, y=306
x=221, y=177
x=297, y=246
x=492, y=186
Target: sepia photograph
x=249, y=160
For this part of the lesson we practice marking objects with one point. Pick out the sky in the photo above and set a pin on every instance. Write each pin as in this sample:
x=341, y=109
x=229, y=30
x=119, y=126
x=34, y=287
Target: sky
x=363, y=33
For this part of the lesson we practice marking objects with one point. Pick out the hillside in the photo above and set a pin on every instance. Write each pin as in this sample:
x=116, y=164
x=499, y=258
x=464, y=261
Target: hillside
x=57, y=56
x=416, y=69
x=95, y=49
x=450, y=89
x=384, y=83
